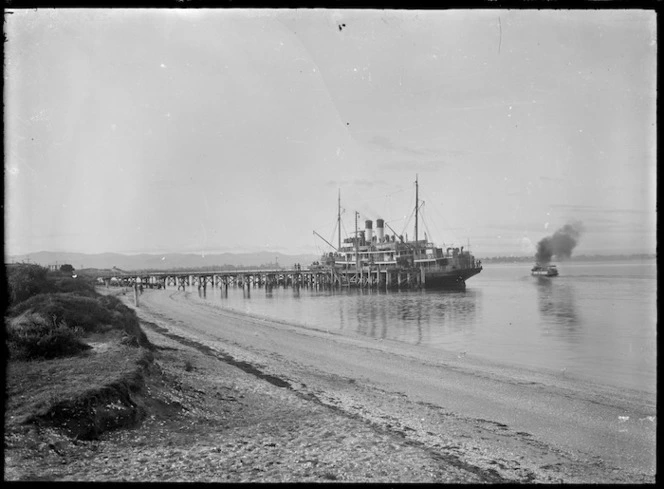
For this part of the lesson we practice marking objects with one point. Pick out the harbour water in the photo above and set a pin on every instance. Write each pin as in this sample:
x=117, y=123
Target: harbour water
x=597, y=321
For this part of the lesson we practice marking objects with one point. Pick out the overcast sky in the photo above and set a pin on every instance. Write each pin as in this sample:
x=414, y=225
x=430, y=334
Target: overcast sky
x=214, y=130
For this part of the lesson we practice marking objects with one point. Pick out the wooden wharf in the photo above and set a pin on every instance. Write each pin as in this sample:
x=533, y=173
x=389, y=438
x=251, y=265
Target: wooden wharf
x=321, y=277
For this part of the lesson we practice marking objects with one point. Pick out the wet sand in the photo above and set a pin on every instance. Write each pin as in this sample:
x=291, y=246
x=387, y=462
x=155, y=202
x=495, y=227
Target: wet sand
x=522, y=424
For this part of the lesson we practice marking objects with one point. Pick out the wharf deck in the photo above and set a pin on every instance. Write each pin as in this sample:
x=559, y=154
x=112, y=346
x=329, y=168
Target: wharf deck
x=294, y=277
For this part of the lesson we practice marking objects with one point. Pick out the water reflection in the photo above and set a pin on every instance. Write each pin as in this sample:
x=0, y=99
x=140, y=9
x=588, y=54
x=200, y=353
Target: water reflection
x=458, y=310
x=416, y=317
x=412, y=316
x=557, y=306
x=342, y=318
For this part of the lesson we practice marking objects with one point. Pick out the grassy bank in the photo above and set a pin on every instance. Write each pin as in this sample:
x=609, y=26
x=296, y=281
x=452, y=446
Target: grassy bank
x=75, y=359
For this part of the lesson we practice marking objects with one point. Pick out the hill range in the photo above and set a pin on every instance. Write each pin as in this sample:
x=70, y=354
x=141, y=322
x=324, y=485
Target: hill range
x=166, y=261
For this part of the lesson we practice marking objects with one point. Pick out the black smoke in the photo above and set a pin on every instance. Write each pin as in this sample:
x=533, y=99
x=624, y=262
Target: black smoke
x=560, y=244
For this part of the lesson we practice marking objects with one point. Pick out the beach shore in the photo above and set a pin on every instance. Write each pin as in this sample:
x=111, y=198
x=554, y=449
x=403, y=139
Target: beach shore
x=239, y=398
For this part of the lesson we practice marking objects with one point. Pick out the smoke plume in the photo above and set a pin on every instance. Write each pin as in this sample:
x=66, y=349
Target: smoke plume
x=560, y=244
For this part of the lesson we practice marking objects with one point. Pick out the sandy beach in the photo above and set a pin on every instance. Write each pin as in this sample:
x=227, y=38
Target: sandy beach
x=518, y=425
x=239, y=398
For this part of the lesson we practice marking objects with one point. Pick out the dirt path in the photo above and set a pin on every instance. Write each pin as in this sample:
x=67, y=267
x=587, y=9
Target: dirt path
x=519, y=426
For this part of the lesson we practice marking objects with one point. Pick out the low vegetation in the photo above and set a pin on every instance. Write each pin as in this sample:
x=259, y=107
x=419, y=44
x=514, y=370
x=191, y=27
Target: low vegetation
x=34, y=337
x=72, y=353
x=51, y=312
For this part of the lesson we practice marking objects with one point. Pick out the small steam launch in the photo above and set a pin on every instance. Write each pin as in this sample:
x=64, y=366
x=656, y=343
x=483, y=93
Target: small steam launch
x=560, y=244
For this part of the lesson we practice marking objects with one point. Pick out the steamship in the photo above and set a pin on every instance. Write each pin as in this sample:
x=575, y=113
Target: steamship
x=380, y=252
x=544, y=270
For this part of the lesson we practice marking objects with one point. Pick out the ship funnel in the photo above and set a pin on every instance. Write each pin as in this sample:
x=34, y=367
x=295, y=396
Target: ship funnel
x=368, y=224
x=380, y=231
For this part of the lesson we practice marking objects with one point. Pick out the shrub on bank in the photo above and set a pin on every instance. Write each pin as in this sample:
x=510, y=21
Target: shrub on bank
x=24, y=281
x=89, y=314
x=32, y=337
x=126, y=317
x=76, y=311
x=27, y=280
x=58, y=282
x=51, y=310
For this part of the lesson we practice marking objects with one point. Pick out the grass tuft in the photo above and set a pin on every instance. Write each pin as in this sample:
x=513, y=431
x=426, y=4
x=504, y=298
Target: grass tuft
x=34, y=337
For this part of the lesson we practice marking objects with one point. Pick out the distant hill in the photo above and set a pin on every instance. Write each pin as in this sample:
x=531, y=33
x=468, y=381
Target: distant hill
x=576, y=258
x=166, y=261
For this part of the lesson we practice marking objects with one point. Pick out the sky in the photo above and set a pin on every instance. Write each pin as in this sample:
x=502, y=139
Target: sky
x=206, y=131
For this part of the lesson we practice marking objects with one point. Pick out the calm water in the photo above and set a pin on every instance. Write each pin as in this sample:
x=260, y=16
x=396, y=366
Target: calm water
x=597, y=321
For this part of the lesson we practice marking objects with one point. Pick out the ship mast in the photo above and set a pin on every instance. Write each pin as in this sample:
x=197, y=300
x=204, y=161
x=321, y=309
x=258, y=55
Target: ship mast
x=357, y=244
x=339, y=219
x=417, y=202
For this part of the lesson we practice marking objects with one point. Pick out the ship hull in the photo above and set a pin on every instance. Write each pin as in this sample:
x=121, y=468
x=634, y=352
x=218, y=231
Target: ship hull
x=543, y=274
x=455, y=279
